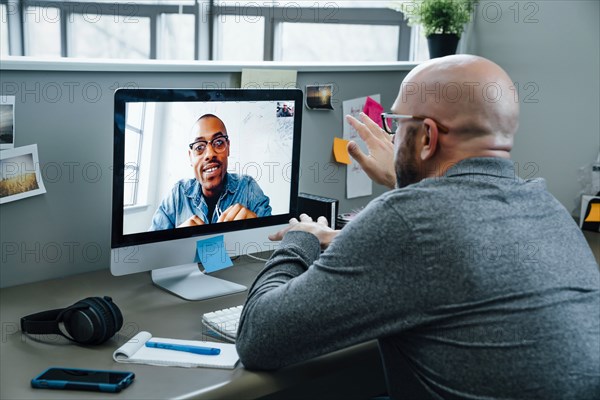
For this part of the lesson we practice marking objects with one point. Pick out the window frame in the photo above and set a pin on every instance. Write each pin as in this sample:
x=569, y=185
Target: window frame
x=206, y=14
x=140, y=131
x=274, y=17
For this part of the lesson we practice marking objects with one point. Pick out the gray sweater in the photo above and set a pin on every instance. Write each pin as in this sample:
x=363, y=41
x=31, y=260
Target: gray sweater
x=477, y=284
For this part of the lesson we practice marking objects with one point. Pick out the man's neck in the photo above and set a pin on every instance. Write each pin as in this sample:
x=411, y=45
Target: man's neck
x=439, y=167
x=215, y=192
x=211, y=203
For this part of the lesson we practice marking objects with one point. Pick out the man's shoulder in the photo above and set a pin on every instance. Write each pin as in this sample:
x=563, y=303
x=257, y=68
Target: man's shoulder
x=185, y=184
x=237, y=179
x=452, y=190
x=236, y=182
x=417, y=192
x=186, y=187
x=432, y=195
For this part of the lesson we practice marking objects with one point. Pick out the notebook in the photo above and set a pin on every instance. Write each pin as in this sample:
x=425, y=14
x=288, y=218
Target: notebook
x=135, y=351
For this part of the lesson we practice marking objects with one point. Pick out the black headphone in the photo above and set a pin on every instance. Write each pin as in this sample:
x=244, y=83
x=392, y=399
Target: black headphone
x=92, y=320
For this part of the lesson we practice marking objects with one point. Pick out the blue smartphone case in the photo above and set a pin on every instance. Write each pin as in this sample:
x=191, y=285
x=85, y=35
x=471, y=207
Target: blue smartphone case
x=41, y=383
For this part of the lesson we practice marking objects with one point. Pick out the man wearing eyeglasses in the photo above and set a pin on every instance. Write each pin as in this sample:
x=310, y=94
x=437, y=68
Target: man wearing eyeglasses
x=476, y=283
x=214, y=195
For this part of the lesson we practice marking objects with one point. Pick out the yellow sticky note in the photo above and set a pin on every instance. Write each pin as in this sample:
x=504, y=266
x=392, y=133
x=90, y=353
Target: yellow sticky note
x=594, y=215
x=340, y=151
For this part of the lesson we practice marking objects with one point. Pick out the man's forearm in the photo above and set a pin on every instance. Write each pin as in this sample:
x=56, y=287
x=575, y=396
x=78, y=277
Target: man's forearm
x=297, y=252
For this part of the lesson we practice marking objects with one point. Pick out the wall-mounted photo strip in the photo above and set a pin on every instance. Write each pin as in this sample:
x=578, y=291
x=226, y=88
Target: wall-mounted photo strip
x=7, y=122
x=318, y=97
x=20, y=175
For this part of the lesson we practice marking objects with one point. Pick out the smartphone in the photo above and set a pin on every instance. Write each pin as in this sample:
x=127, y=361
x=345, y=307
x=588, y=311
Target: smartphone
x=83, y=379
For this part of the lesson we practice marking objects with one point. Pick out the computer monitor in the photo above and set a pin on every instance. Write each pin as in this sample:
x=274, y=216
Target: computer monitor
x=190, y=164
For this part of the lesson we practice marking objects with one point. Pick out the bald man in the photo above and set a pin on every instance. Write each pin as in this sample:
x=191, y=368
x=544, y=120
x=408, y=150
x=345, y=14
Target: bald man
x=473, y=96
x=476, y=283
x=213, y=195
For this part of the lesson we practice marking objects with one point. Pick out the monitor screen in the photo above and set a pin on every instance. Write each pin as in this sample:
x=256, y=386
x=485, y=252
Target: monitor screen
x=191, y=162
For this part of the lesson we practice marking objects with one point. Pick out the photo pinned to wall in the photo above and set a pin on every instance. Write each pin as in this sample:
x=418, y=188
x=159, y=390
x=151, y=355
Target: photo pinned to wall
x=318, y=97
x=20, y=174
x=285, y=109
x=7, y=122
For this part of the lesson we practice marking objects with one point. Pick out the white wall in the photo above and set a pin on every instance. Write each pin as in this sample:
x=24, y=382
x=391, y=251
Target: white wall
x=551, y=49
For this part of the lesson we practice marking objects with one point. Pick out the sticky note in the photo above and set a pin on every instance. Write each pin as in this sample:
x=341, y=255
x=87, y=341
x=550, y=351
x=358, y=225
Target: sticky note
x=212, y=254
x=340, y=151
x=373, y=110
x=594, y=215
x=268, y=78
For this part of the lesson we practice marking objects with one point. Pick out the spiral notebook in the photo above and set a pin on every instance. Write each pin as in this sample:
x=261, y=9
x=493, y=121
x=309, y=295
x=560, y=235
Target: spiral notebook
x=135, y=351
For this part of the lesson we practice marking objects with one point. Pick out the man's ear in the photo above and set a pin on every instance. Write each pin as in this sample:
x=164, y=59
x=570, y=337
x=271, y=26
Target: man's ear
x=429, y=140
x=190, y=157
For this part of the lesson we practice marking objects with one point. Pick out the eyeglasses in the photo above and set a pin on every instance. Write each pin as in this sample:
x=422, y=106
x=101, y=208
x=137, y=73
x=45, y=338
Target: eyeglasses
x=219, y=144
x=391, y=122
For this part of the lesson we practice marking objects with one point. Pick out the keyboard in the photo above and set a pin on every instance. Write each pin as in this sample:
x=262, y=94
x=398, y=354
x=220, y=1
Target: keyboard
x=223, y=323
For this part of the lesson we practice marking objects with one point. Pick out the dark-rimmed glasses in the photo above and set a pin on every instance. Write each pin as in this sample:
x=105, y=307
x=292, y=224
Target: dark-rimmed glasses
x=219, y=144
x=391, y=122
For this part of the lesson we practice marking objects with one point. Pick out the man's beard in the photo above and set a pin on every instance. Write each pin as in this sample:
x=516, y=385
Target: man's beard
x=407, y=170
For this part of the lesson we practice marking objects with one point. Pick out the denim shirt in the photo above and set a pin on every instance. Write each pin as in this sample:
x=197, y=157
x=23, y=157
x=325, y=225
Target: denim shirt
x=186, y=199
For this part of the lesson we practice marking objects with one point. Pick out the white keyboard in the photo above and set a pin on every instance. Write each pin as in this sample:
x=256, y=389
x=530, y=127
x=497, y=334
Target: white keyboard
x=224, y=322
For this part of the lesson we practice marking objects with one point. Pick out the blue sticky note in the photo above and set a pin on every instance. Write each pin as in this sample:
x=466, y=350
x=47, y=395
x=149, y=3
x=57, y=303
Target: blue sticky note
x=212, y=254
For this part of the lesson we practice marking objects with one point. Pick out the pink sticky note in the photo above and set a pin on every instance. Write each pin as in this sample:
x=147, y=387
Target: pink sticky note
x=373, y=110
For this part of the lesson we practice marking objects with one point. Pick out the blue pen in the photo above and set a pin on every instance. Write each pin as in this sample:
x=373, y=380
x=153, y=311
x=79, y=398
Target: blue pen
x=207, y=351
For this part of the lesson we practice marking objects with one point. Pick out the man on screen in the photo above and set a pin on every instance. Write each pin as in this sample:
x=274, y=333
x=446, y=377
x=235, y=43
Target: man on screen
x=284, y=111
x=214, y=195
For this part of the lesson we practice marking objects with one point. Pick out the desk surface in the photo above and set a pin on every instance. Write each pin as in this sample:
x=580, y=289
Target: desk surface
x=355, y=372
x=352, y=373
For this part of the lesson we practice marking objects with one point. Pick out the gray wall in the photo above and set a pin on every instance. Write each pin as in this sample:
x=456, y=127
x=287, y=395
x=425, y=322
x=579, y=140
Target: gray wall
x=69, y=114
x=551, y=49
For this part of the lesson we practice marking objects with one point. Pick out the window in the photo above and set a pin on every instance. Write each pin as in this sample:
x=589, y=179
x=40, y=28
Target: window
x=3, y=30
x=100, y=36
x=177, y=38
x=338, y=42
x=240, y=38
x=134, y=134
x=419, y=47
x=43, y=31
x=230, y=30
x=139, y=138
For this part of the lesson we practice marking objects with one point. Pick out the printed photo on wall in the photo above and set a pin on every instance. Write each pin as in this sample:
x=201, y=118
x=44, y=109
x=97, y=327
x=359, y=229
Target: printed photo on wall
x=318, y=97
x=20, y=175
x=7, y=122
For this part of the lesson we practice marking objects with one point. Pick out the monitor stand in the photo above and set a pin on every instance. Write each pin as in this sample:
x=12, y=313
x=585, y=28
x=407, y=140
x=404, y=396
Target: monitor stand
x=188, y=282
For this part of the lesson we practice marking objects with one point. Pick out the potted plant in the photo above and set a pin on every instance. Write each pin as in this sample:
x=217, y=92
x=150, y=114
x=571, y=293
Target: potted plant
x=443, y=21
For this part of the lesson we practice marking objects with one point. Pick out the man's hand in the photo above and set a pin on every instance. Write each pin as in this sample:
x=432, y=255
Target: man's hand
x=379, y=163
x=236, y=212
x=194, y=220
x=320, y=229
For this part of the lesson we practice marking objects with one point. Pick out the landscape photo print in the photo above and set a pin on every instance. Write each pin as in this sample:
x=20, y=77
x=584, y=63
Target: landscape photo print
x=20, y=175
